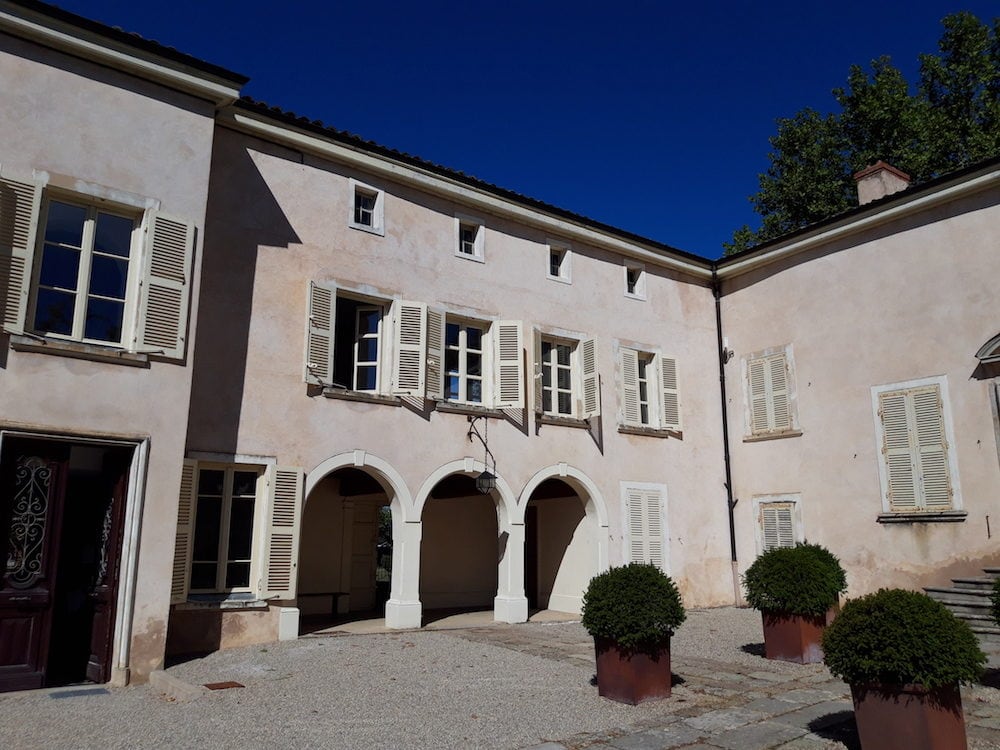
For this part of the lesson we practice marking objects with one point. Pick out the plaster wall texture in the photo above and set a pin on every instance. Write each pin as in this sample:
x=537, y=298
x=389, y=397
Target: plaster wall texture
x=287, y=223
x=913, y=299
x=565, y=553
x=98, y=126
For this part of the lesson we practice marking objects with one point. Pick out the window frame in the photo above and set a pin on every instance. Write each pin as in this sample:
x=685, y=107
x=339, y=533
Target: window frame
x=575, y=377
x=485, y=362
x=478, y=245
x=760, y=502
x=794, y=428
x=565, y=275
x=656, y=400
x=358, y=188
x=646, y=489
x=638, y=289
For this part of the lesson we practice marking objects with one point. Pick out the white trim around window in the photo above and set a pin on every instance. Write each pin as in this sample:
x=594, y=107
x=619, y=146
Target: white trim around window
x=634, y=277
x=784, y=513
x=644, y=524
x=770, y=396
x=470, y=238
x=367, y=209
x=559, y=262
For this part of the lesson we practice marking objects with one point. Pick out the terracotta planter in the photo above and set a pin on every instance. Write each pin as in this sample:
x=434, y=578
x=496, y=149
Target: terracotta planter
x=794, y=637
x=909, y=717
x=629, y=677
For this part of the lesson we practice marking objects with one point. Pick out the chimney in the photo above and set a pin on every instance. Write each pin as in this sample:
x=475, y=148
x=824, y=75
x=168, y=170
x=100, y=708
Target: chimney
x=878, y=181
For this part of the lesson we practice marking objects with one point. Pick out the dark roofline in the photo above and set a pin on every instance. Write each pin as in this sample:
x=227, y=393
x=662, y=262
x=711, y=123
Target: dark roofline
x=356, y=142
x=131, y=40
x=913, y=191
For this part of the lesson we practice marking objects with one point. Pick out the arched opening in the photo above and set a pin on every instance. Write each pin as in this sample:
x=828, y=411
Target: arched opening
x=459, y=550
x=560, y=547
x=345, y=553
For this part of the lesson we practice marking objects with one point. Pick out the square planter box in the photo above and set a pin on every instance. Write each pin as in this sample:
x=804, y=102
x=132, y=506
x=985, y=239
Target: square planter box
x=909, y=717
x=632, y=677
x=794, y=638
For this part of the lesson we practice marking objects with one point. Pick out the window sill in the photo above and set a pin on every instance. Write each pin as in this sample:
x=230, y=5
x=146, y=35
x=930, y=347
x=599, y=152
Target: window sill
x=450, y=407
x=657, y=432
x=771, y=436
x=368, y=398
x=365, y=228
x=640, y=297
x=941, y=516
x=222, y=601
x=467, y=256
x=77, y=350
x=563, y=421
x=560, y=279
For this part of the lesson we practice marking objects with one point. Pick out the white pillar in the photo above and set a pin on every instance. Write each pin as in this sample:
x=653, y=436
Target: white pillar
x=403, y=610
x=511, y=605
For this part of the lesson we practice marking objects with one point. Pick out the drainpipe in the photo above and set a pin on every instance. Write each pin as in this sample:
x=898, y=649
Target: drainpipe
x=730, y=502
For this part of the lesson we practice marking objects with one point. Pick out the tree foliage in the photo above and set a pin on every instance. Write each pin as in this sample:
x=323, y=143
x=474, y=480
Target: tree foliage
x=949, y=119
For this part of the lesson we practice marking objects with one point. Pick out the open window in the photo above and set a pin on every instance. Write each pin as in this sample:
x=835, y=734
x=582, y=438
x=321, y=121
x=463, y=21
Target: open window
x=650, y=391
x=566, y=377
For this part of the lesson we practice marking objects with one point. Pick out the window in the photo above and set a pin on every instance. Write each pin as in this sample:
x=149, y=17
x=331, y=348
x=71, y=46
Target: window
x=650, y=393
x=635, y=281
x=778, y=523
x=917, y=470
x=645, y=523
x=559, y=263
x=237, y=530
x=566, y=382
x=769, y=391
x=464, y=362
x=469, y=238
x=82, y=269
x=367, y=208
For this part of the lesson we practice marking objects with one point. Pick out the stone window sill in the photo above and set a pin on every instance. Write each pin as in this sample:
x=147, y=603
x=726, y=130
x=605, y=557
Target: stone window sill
x=942, y=516
x=222, y=601
x=657, y=432
x=449, y=407
x=368, y=398
x=771, y=436
x=563, y=421
x=77, y=350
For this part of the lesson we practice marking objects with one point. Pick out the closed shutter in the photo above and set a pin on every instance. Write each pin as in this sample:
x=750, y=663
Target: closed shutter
x=915, y=449
x=19, y=209
x=635, y=498
x=410, y=339
x=758, y=395
x=631, y=414
x=777, y=525
x=654, y=529
x=185, y=534
x=509, y=381
x=537, y=364
x=166, y=285
x=590, y=380
x=777, y=370
x=282, y=515
x=321, y=312
x=770, y=410
x=670, y=395
x=932, y=449
x=645, y=526
x=435, y=354
x=897, y=451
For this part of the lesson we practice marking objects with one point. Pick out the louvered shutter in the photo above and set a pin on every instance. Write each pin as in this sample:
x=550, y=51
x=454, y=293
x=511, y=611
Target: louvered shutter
x=777, y=525
x=758, y=395
x=591, y=401
x=435, y=354
x=636, y=524
x=509, y=381
x=898, y=452
x=283, y=517
x=537, y=364
x=185, y=534
x=410, y=339
x=321, y=313
x=670, y=395
x=166, y=285
x=631, y=414
x=19, y=209
x=932, y=449
x=780, y=417
x=645, y=526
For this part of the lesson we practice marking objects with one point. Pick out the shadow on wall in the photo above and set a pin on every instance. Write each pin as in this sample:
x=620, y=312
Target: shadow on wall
x=237, y=223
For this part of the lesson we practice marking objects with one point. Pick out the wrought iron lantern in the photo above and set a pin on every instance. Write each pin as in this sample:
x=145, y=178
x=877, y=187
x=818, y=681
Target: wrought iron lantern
x=487, y=481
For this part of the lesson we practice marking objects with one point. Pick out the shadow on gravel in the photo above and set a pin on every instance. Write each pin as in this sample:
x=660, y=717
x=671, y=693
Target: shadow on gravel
x=675, y=679
x=756, y=649
x=991, y=678
x=838, y=727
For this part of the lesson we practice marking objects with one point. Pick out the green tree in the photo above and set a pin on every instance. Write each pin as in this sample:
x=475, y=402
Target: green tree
x=950, y=119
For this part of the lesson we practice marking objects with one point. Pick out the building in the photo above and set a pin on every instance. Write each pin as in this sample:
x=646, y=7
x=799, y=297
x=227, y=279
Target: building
x=288, y=333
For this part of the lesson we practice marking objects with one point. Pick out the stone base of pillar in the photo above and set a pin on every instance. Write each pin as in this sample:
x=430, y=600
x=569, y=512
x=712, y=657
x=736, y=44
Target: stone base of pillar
x=401, y=615
x=510, y=609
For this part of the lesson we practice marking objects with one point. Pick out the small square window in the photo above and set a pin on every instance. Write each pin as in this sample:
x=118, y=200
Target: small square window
x=366, y=208
x=559, y=263
x=469, y=238
x=635, y=281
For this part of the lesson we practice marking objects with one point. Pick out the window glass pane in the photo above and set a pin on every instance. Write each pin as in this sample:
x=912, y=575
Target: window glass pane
x=564, y=378
x=562, y=354
x=642, y=391
x=547, y=377
x=367, y=350
x=475, y=364
x=206, y=529
x=451, y=360
x=366, y=379
x=546, y=349
x=475, y=388
x=451, y=387
x=565, y=404
x=241, y=528
x=237, y=575
x=113, y=235
x=210, y=481
x=546, y=401
x=203, y=575
x=644, y=414
x=54, y=312
x=65, y=224
x=108, y=276
x=245, y=483
x=104, y=320
x=474, y=338
x=451, y=334
x=60, y=267
x=368, y=321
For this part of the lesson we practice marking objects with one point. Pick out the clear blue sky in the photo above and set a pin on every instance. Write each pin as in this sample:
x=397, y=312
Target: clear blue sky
x=650, y=116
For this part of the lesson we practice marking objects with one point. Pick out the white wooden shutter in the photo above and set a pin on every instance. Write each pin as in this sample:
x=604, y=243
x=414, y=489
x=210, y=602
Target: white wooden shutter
x=185, y=533
x=636, y=524
x=777, y=525
x=591, y=400
x=654, y=529
x=777, y=372
x=410, y=339
x=20, y=203
x=283, y=518
x=509, y=381
x=631, y=413
x=321, y=313
x=758, y=395
x=435, y=354
x=166, y=285
x=537, y=364
x=898, y=452
x=645, y=526
x=670, y=395
x=931, y=448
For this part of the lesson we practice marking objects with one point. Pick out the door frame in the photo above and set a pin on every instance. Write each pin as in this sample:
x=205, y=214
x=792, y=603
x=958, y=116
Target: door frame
x=134, y=494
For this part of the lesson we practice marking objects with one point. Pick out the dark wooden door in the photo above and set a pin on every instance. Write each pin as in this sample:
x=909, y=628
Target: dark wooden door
x=32, y=487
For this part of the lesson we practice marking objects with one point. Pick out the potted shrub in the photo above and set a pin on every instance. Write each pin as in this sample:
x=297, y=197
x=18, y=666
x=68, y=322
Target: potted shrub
x=904, y=656
x=631, y=612
x=796, y=590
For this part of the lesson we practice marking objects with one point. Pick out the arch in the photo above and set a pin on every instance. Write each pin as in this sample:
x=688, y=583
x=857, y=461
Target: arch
x=400, y=504
x=594, y=504
x=990, y=351
x=506, y=507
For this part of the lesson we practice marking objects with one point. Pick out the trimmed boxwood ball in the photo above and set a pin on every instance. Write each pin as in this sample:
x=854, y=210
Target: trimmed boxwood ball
x=806, y=579
x=636, y=605
x=897, y=637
